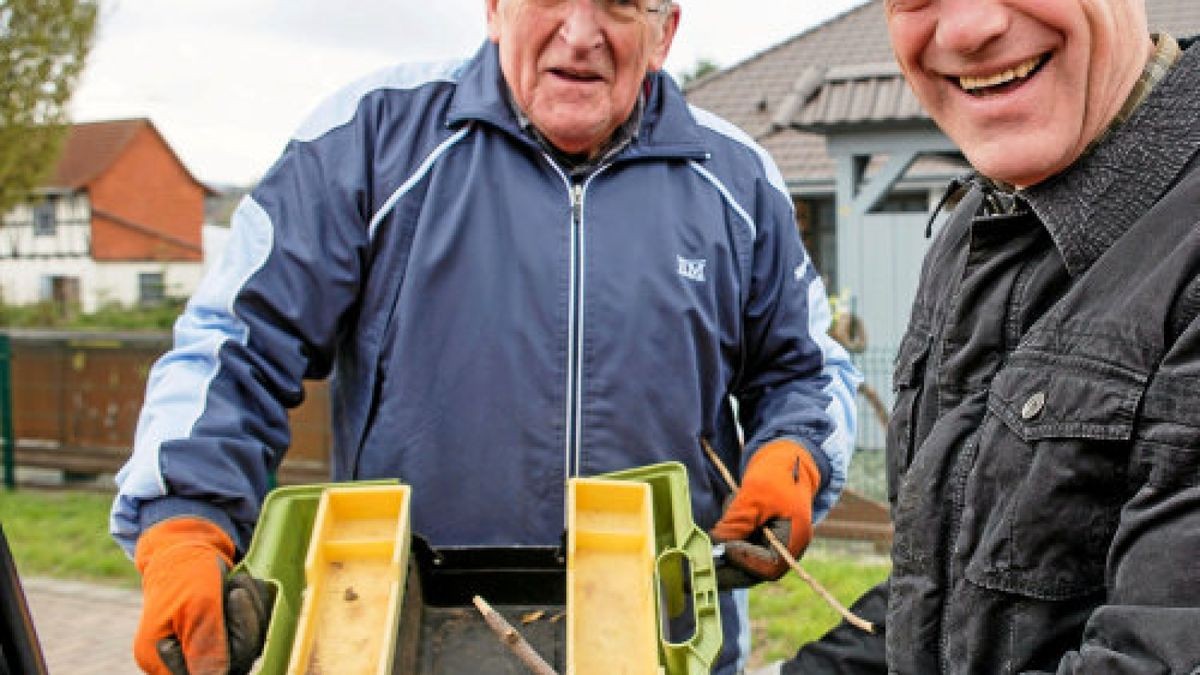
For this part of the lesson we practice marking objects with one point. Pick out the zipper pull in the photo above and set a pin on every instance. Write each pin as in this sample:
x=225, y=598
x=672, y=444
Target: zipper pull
x=952, y=191
x=577, y=203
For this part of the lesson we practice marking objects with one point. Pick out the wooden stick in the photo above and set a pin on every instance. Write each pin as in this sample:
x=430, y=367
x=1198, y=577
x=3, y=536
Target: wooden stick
x=876, y=403
x=512, y=639
x=850, y=617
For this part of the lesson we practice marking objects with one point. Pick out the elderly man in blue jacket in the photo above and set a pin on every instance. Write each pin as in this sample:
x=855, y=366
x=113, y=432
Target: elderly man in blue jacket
x=533, y=264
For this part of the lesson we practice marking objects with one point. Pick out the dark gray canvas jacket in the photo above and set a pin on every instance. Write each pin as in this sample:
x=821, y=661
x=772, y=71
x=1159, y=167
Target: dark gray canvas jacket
x=1045, y=446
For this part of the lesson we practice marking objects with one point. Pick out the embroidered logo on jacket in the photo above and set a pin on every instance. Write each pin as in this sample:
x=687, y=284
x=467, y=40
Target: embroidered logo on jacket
x=691, y=269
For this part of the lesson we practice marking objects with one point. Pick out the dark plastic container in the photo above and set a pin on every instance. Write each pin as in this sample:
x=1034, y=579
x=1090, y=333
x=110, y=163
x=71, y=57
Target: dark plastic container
x=441, y=631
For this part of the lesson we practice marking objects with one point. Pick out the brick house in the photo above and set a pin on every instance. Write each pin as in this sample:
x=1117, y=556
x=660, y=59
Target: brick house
x=118, y=221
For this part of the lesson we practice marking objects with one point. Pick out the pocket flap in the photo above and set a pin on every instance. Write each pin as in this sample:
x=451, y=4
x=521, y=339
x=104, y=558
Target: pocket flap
x=1043, y=396
x=910, y=359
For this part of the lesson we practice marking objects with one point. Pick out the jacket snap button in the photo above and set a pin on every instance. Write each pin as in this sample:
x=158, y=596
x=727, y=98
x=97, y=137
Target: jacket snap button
x=1033, y=405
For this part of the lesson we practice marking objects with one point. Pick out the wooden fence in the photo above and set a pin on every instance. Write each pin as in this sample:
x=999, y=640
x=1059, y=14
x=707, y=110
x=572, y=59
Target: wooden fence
x=75, y=399
x=72, y=400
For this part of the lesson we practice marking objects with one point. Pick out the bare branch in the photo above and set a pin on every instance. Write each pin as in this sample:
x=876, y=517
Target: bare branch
x=850, y=617
x=512, y=639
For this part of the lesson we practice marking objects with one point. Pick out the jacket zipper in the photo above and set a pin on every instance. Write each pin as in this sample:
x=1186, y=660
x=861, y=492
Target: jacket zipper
x=573, y=432
x=575, y=336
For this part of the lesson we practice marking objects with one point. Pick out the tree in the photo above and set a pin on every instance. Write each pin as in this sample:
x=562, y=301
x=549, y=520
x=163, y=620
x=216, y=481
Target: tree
x=703, y=67
x=43, y=47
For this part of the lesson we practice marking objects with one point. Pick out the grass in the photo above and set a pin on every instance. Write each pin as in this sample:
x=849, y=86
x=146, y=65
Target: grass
x=788, y=613
x=108, y=317
x=64, y=534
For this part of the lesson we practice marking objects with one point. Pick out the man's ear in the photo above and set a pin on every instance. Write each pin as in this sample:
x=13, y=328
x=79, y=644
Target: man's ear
x=492, y=7
x=666, y=36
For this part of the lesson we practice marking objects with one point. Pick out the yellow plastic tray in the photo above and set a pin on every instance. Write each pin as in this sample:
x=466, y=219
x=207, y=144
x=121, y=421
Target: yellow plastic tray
x=686, y=574
x=611, y=598
x=354, y=572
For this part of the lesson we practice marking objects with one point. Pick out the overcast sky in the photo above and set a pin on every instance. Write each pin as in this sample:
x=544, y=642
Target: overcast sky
x=227, y=81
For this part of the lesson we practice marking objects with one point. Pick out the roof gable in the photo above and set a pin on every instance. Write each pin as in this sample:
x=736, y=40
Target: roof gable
x=749, y=93
x=91, y=148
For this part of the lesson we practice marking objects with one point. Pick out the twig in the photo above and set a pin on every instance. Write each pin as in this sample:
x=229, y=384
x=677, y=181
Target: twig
x=850, y=617
x=512, y=639
x=873, y=400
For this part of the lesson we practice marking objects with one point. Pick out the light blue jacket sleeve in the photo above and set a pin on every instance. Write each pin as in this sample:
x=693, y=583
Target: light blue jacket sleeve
x=214, y=423
x=798, y=382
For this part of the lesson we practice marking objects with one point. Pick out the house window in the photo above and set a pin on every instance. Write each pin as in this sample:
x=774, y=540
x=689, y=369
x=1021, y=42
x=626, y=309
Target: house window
x=818, y=230
x=61, y=290
x=45, y=221
x=151, y=288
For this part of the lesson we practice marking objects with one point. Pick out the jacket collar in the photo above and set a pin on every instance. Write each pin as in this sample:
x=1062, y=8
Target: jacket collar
x=667, y=128
x=1092, y=204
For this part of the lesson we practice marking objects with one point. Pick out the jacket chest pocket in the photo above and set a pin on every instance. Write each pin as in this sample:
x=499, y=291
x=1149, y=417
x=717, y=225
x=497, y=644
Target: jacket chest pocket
x=1044, y=493
x=907, y=385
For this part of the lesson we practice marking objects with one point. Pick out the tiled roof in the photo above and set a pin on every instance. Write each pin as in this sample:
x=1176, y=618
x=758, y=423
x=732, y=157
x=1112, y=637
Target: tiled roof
x=756, y=93
x=90, y=148
x=748, y=93
x=840, y=73
x=871, y=93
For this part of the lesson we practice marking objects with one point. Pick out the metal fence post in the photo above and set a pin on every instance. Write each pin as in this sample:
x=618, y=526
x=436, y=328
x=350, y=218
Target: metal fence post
x=7, y=437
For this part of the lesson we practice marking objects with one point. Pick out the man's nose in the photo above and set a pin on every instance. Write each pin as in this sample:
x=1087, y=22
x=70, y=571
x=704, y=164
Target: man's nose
x=967, y=26
x=582, y=26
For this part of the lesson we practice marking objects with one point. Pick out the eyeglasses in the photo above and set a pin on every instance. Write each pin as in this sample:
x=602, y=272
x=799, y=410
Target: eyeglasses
x=623, y=11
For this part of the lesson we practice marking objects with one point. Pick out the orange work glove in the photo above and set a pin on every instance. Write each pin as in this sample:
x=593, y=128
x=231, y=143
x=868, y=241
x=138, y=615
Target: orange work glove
x=192, y=615
x=777, y=492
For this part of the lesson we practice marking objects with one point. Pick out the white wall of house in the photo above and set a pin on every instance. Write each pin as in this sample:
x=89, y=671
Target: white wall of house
x=29, y=281
x=121, y=282
x=57, y=226
x=51, y=240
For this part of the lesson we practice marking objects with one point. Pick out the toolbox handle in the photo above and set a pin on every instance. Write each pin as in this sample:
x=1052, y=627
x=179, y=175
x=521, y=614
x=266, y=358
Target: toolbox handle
x=680, y=541
x=696, y=653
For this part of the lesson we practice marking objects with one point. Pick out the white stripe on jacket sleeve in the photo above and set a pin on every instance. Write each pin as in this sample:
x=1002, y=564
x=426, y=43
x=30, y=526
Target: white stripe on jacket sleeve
x=178, y=384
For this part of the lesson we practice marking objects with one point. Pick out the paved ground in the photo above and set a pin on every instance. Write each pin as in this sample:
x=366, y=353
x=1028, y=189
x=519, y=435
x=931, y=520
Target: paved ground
x=84, y=629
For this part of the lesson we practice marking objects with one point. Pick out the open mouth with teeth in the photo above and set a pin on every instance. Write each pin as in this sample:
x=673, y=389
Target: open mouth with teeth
x=998, y=83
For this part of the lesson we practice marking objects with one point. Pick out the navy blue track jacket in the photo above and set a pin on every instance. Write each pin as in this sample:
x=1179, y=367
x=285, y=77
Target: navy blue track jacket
x=492, y=327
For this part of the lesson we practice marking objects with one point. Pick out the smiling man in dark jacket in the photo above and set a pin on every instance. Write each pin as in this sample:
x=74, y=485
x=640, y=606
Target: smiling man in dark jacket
x=534, y=264
x=1044, y=452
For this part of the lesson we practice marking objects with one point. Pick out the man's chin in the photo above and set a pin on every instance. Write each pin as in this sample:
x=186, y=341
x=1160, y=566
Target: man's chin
x=581, y=139
x=1021, y=162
